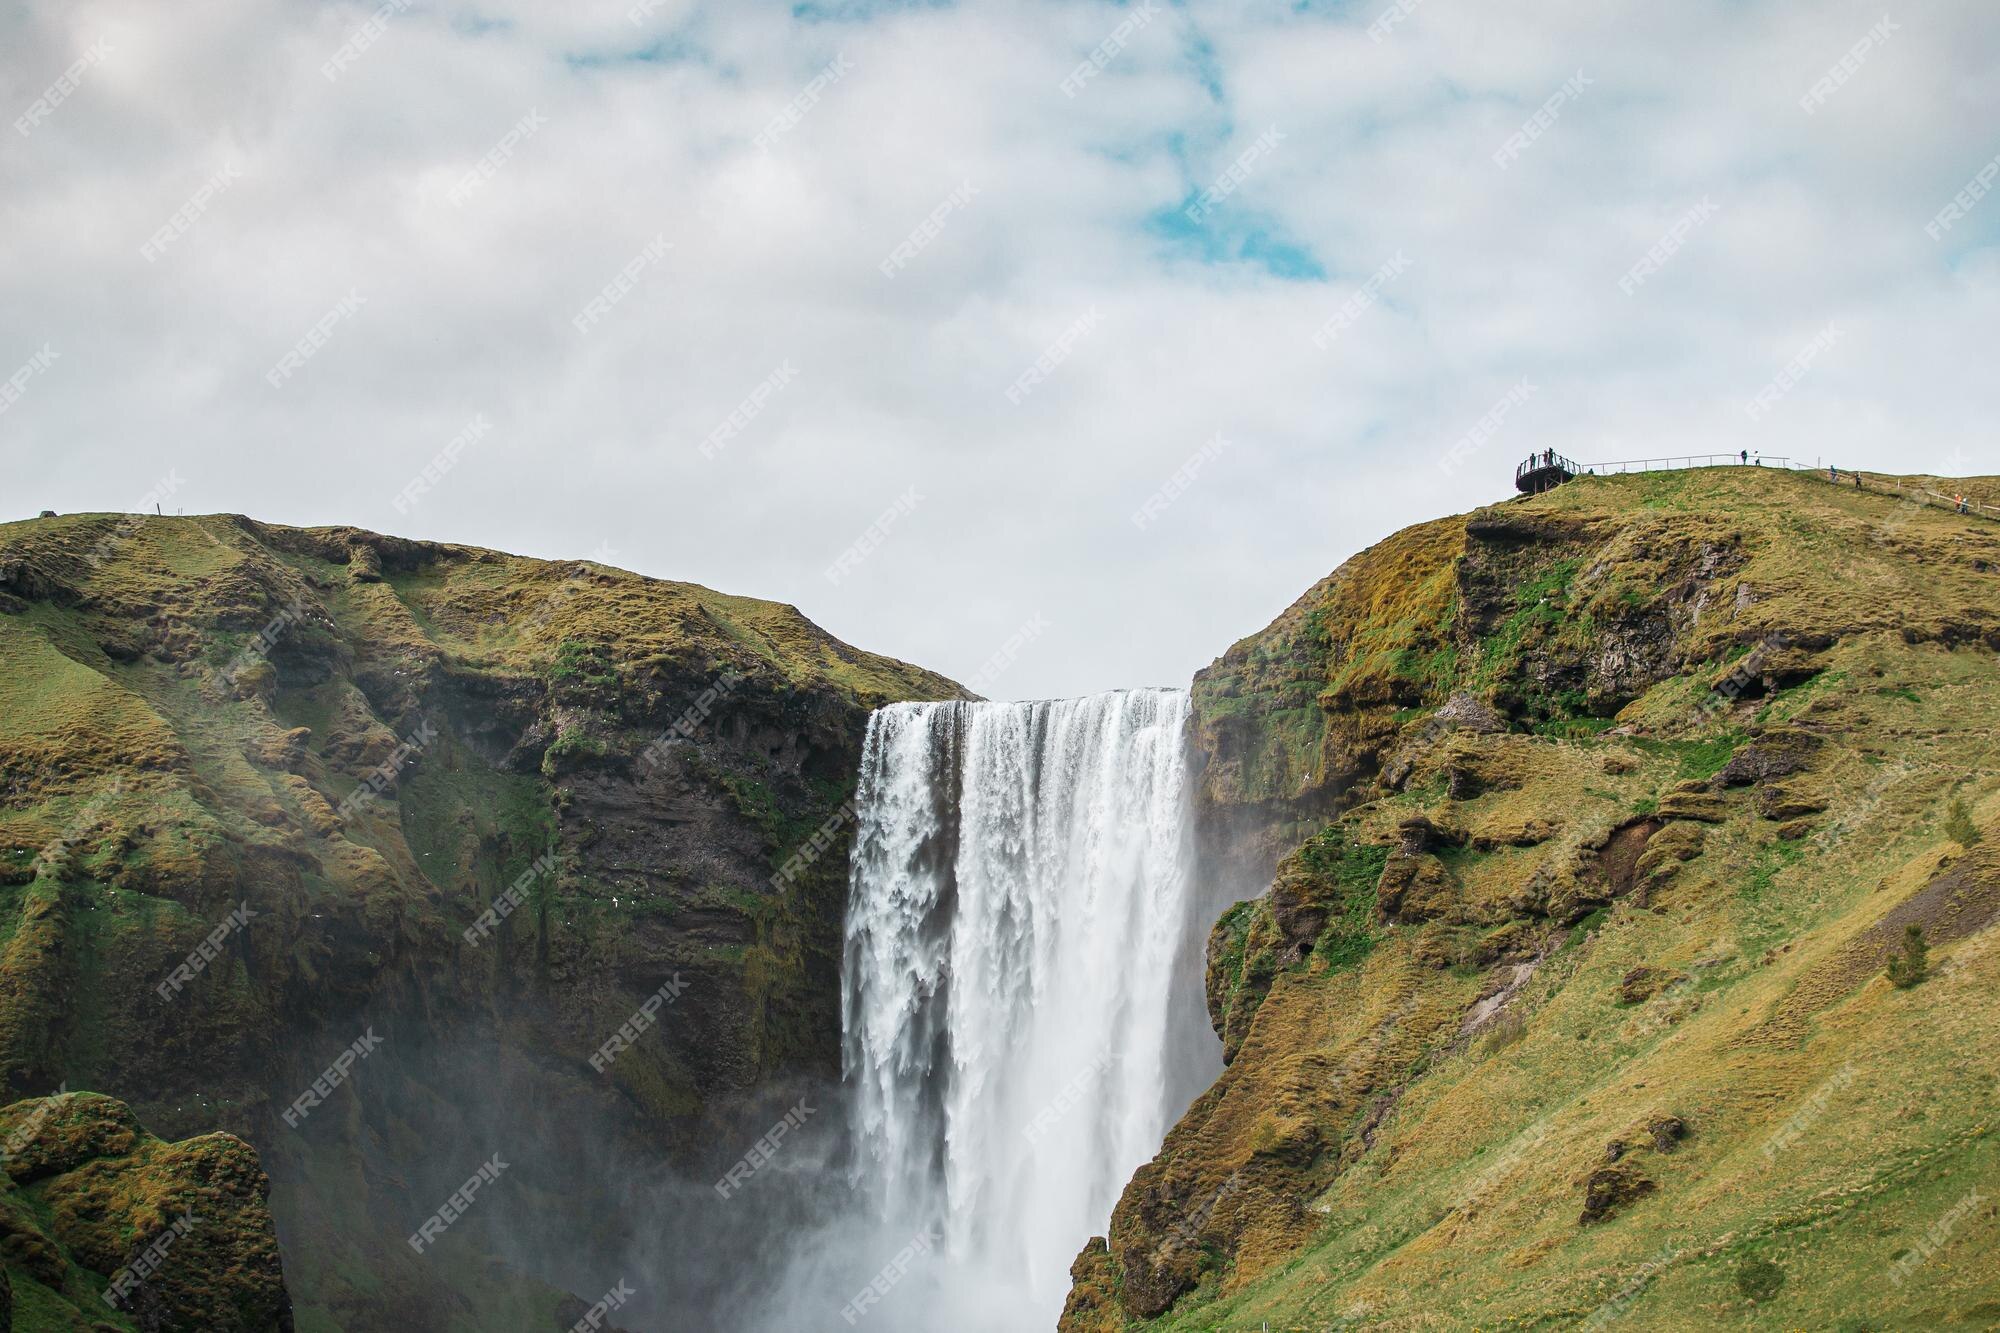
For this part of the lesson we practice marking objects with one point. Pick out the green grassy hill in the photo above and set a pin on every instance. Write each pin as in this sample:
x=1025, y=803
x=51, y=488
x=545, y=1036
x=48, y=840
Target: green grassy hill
x=1603, y=817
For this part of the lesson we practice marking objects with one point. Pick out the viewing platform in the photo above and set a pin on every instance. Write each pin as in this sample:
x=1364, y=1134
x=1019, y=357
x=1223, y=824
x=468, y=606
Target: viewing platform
x=1544, y=471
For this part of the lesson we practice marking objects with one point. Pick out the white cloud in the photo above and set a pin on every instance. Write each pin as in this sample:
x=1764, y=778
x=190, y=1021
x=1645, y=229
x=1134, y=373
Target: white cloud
x=1387, y=146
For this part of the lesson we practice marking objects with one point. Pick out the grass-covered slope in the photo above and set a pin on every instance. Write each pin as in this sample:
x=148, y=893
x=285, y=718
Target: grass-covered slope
x=1610, y=811
x=256, y=783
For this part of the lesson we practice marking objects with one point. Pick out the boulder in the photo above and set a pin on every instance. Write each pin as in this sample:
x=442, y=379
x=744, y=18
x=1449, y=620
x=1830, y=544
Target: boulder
x=87, y=1191
x=1469, y=713
x=1775, y=754
x=1610, y=1188
x=1415, y=888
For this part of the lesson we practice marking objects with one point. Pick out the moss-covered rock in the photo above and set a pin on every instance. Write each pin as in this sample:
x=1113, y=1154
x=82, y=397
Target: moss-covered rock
x=103, y=1225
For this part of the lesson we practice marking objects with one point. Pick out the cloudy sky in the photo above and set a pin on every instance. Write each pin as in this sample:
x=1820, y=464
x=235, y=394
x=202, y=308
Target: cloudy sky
x=1277, y=264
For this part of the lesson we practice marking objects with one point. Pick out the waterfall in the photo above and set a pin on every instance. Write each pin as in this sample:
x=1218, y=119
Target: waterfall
x=1020, y=895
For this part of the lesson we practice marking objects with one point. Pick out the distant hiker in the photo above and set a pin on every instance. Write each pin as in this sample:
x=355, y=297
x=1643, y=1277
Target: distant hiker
x=1832, y=472
x=1745, y=455
x=1857, y=479
x=1961, y=504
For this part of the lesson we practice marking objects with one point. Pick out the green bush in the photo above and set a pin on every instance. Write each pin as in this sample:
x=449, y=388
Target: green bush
x=1913, y=964
x=1958, y=824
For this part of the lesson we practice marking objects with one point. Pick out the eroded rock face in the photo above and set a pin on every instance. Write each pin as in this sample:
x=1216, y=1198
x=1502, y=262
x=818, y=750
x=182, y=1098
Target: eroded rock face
x=1294, y=723
x=179, y=1234
x=1471, y=713
x=1093, y=1305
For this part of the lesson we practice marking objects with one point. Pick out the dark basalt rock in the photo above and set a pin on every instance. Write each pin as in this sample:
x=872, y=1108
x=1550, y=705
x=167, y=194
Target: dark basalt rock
x=1610, y=1188
x=1776, y=754
x=1419, y=835
x=1621, y=1180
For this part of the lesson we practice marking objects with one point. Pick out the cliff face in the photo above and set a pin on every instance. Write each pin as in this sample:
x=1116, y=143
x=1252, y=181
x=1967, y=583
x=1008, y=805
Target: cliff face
x=506, y=832
x=1592, y=823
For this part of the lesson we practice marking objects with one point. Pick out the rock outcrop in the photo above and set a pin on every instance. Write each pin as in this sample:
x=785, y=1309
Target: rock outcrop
x=102, y=1225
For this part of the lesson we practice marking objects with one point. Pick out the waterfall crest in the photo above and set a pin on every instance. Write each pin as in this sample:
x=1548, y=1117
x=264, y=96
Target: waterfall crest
x=1020, y=891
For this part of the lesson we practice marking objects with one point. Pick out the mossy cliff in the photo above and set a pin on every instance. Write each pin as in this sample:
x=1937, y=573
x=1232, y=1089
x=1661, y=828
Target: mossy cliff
x=1592, y=822
x=258, y=786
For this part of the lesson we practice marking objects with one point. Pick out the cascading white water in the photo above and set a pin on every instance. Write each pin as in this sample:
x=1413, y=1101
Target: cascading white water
x=1020, y=892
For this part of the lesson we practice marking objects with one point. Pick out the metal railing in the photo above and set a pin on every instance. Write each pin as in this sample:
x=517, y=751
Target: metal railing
x=1683, y=461
x=1546, y=461
x=1921, y=495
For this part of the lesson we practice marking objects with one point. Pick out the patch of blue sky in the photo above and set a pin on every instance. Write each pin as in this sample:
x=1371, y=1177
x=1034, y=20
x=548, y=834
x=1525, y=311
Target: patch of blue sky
x=1231, y=236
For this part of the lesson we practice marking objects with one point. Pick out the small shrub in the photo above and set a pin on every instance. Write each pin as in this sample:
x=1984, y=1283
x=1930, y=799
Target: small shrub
x=1958, y=824
x=1913, y=965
